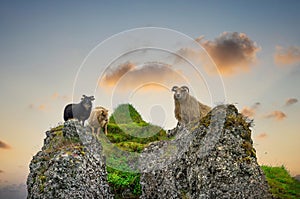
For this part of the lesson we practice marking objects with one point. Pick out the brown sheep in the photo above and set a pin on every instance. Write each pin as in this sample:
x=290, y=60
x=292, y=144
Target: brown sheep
x=187, y=108
x=99, y=119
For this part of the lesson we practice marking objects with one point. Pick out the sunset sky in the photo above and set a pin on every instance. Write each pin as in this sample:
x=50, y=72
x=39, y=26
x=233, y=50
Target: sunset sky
x=51, y=53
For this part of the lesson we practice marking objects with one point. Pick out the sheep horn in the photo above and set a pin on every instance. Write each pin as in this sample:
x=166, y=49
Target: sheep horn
x=174, y=88
x=186, y=88
x=92, y=98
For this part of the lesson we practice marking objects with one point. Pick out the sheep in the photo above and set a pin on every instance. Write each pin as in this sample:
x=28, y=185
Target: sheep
x=99, y=119
x=187, y=108
x=80, y=111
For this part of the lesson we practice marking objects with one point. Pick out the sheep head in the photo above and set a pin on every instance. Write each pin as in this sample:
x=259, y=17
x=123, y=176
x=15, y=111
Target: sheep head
x=87, y=101
x=180, y=93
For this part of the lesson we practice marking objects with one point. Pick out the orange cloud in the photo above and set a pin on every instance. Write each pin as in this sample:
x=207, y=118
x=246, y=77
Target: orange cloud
x=262, y=135
x=113, y=75
x=291, y=101
x=41, y=107
x=232, y=52
x=130, y=76
x=287, y=56
x=277, y=115
x=3, y=145
x=250, y=111
x=56, y=96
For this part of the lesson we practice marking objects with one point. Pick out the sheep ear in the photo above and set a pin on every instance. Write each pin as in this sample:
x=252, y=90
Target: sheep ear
x=174, y=88
x=92, y=98
x=186, y=88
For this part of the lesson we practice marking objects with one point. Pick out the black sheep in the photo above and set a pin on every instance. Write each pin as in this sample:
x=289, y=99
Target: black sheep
x=79, y=111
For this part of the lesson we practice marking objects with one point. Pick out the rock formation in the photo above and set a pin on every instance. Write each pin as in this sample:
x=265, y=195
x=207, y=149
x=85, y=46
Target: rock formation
x=67, y=168
x=212, y=158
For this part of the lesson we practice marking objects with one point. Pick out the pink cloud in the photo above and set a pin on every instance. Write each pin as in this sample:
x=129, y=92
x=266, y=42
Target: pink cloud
x=130, y=76
x=250, y=111
x=287, y=56
x=291, y=101
x=232, y=52
x=277, y=115
x=262, y=135
x=3, y=145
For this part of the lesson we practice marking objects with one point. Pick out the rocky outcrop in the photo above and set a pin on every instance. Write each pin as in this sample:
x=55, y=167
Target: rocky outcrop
x=70, y=165
x=212, y=158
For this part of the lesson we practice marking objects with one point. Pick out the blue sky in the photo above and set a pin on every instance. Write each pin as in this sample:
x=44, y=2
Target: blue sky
x=43, y=44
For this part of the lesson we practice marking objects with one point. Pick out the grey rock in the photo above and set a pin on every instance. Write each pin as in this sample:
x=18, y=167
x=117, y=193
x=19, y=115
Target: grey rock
x=205, y=161
x=69, y=165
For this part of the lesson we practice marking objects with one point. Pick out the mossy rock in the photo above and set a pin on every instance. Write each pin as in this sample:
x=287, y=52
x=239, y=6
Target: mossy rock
x=124, y=114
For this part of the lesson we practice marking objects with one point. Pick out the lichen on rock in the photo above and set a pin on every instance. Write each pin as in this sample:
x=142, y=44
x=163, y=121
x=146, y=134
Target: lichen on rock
x=211, y=158
x=67, y=166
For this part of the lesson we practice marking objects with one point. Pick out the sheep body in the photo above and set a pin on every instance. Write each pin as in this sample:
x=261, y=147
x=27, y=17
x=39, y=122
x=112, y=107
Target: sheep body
x=99, y=119
x=80, y=111
x=187, y=108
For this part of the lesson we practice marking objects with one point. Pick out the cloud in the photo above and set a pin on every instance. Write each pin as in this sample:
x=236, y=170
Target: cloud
x=3, y=145
x=291, y=101
x=232, y=52
x=277, y=115
x=287, y=56
x=114, y=75
x=130, y=76
x=262, y=135
x=57, y=96
x=250, y=111
x=41, y=107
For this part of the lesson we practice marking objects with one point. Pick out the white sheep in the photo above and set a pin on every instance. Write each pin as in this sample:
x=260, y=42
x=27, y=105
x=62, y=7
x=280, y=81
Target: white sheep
x=187, y=108
x=99, y=119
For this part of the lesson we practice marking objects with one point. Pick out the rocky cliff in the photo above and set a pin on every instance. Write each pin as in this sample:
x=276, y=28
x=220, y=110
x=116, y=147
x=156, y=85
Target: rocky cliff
x=70, y=165
x=210, y=158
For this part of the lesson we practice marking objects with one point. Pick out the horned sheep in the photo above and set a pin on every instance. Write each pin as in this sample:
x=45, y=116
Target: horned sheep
x=80, y=111
x=187, y=108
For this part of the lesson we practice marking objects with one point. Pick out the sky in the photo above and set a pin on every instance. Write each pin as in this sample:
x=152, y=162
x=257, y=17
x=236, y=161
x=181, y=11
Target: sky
x=247, y=53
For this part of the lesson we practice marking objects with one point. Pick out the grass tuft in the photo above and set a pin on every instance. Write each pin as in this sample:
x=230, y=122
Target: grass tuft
x=282, y=185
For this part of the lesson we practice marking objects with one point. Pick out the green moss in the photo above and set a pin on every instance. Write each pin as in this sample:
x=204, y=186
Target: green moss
x=183, y=194
x=205, y=121
x=121, y=181
x=282, y=185
x=131, y=146
x=250, y=151
x=127, y=132
x=124, y=114
x=41, y=188
x=57, y=129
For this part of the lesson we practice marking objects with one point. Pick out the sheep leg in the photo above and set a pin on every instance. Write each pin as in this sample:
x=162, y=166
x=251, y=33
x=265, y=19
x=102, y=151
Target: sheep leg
x=105, y=129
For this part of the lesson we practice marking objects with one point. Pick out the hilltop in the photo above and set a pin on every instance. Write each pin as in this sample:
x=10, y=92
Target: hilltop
x=214, y=155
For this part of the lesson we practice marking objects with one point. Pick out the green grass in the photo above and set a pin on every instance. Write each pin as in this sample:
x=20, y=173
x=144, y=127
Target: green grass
x=281, y=183
x=125, y=114
x=128, y=135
